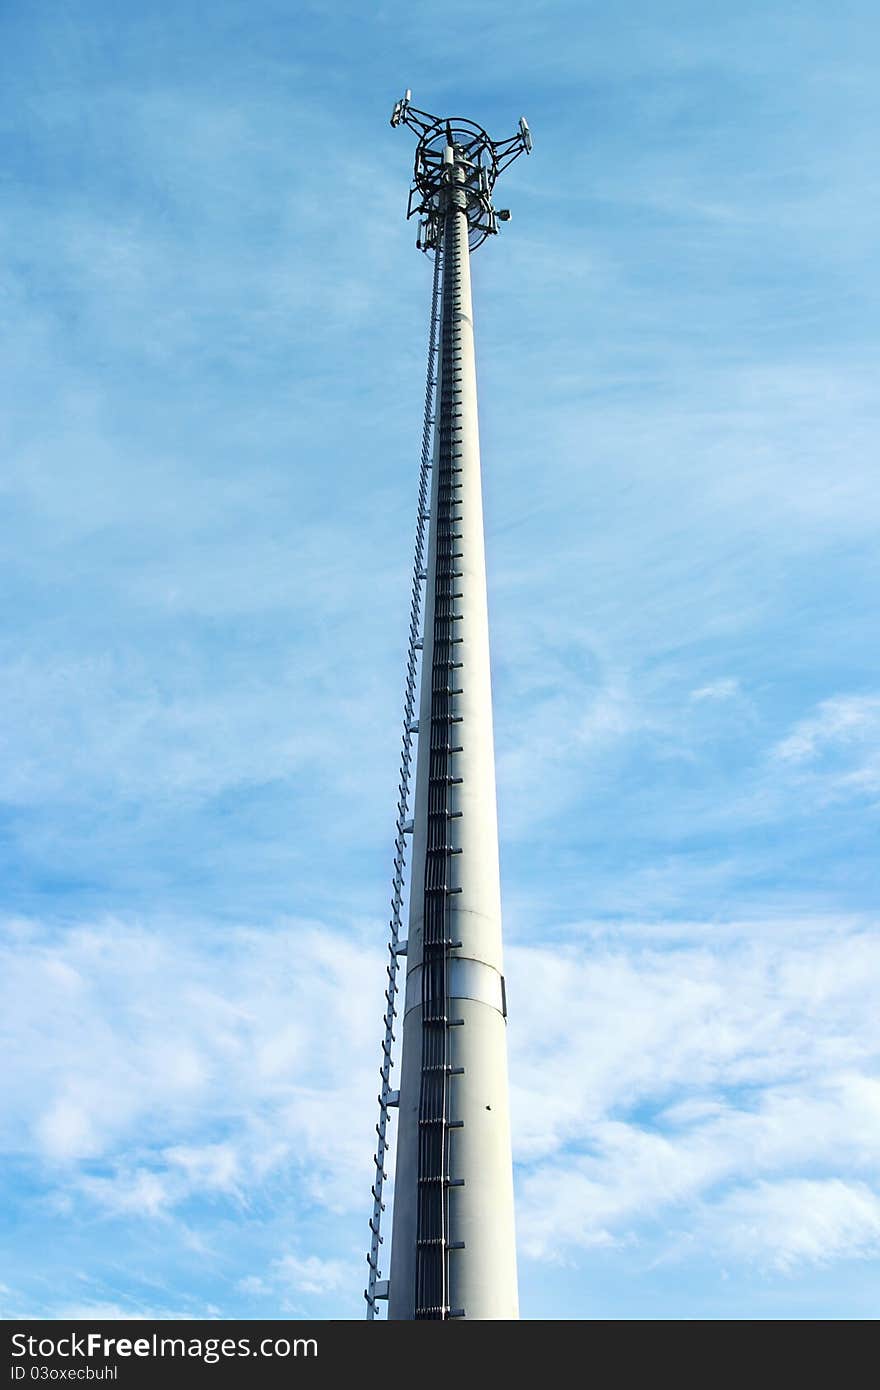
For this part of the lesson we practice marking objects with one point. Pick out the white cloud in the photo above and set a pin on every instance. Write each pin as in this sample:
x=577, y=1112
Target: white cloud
x=116, y=1312
x=311, y=1274
x=253, y=1284
x=835, y=752
x=292, y=1282
x=838, y=723
x=185, y=1066
x=65, y=1130
x=798, y=1221
x=142, y=1193
x=684, y=1067
x=723, y=689
x=207, y=1167
x=656, y=1073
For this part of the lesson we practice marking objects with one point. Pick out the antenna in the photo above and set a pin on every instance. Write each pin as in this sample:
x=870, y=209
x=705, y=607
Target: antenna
x=479, y=160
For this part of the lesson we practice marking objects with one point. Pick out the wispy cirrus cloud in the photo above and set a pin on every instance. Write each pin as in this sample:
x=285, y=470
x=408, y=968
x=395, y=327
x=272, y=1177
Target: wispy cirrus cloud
x=793, y=1222
x=843, y=723
x=698, y=1071
x=692, y=1068
x=723, y=689
x=147, y=1037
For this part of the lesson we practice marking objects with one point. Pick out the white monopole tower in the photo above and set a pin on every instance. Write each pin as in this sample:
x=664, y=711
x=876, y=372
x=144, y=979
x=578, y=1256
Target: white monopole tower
x=453, y=1252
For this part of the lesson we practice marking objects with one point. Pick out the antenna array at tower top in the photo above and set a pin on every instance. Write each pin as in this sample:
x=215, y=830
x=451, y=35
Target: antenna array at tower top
x=480, y=158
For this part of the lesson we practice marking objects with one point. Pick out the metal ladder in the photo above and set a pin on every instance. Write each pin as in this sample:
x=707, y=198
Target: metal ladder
x=377, y=1288
x=433, y=1242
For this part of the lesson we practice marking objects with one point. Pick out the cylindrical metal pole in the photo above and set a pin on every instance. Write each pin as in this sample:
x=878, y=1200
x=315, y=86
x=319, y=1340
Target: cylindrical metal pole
x=453, y=1251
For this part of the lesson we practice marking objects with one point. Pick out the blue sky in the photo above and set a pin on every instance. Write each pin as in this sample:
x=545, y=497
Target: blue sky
x=212, y=373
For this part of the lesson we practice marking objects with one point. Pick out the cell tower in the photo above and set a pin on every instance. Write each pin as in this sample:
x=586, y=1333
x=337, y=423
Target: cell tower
x=453, y=1253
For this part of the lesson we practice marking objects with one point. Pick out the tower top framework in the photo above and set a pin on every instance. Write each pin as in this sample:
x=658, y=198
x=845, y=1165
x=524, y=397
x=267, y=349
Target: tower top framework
x=479, y=159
